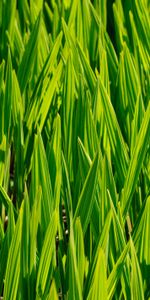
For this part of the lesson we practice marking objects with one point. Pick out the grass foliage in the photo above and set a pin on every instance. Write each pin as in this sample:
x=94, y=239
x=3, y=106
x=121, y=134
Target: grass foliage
x=75, y=149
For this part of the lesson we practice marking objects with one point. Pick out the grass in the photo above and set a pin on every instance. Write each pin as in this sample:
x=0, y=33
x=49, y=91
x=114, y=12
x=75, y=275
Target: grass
x=74, y=150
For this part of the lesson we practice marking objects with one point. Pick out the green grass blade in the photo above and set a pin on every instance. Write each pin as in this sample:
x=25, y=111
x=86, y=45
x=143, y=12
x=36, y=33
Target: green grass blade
x=25, y=67
x=8, y=97
x=116, y=272
x=115, y=136
x=5, y=246
x=102, y=242
x=54, y=160
x=98, y=288
x=136, y=162
x=137, y=290
x=87, y=196
x=74, y=292
x=46, y=255
x=41, y=177
x=53, y=292
x=13, y=264
x=80, y=255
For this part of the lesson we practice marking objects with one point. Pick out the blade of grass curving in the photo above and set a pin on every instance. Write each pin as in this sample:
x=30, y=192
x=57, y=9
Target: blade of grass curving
x=115, y=136
x=35, y=219
x=117, y=245
x=141, y=16
x=89, y=74
x=25, y=248
x=41, y=177
x=139, y=49
x=102, y=242
x=116, y=272
x=17, y=114
x=101, y=9
x=80, y=255
x=42, y=81
x=128, y=89
x=111, y=54
x=4, y=198
x=84, y=165
x=137, y=121
x=91, y=141
x=120, y=26
x=29, y=55
x=66, y=187
x=67, y=112
x=4, y=250
x=47, y=99
x=13, y=264
x=98, y=289
x=112, y=61
x=74, y=292
x=137, y=290
x=71, y=44
x=84, y=25
x=87, y=196
x=18, y=45
x=53, y=292
x=54, y=160
x=46, y=255
x=141, y=241
x=136, y=162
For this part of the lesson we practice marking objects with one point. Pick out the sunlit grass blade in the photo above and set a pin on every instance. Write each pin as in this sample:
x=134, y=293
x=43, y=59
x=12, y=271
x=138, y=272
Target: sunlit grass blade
x=84, y=166
x=87, y=196
x=41, y=177
x=98, y=289
x=117, y=143
x=67, y=112
x=102, y=242
x=54, y=159
x=137, y=290
x=5, y=245
x=35, y=218
x=89, y=74
x=53, y=292
x=47, y=99
x=24, y=253
x=42, y=83
x=80, y=255
x=116, y=272
x=91, y=141
x=141, y=242
x=129, y=90
x=46, y=255
x=137, y=121
x=13, y=263
x=74, y=292
x=17, y=116
x=120, y=28
x=136, y=162
x=4, y=198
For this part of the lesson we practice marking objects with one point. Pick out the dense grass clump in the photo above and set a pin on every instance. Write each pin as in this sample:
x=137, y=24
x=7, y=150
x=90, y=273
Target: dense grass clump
x=74, y=149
